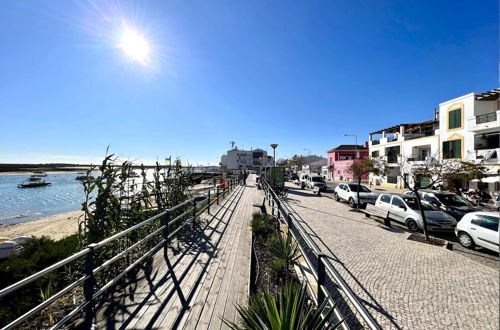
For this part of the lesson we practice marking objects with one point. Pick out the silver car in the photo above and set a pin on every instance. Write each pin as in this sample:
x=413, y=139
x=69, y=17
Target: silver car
x=316, y=182
x=405, y=209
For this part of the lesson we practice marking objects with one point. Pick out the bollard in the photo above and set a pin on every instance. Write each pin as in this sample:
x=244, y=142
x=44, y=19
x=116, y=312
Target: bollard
x=321, y=277
x=88, y=286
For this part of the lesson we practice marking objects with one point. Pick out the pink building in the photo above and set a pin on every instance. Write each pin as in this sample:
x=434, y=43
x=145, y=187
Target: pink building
x=341, y=157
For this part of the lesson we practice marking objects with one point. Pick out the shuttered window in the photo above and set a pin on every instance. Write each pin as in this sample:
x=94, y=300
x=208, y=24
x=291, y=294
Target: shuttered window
x=455, y=119
x=452, y=149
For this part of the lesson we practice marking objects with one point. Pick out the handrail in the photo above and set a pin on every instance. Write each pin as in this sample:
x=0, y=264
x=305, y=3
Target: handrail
x=311, y=245
x=88, y=252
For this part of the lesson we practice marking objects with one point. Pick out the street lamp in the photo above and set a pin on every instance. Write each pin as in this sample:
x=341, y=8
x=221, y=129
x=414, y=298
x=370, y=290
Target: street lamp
x=274, y=146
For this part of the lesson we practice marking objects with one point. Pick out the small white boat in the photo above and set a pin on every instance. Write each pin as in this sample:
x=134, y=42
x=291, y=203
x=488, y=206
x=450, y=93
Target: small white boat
x=9, y=248
x=33, y=182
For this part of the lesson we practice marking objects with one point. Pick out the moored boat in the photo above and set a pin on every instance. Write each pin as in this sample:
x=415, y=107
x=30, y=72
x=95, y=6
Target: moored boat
x=33, y=182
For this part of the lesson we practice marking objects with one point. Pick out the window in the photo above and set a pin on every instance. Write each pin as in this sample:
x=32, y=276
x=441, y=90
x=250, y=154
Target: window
x=476, y=220
x=455, y=119
x=354, y=187
x=375, y=153
x=385, y=198
x=489, y=222
x=452, y=149
x=392, y=179
x=396, y=201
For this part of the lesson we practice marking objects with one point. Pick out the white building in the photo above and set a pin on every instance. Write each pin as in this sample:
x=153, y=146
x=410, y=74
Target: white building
x=236, y=159
x=470, y=130
x=465, y=128
x=416, y=142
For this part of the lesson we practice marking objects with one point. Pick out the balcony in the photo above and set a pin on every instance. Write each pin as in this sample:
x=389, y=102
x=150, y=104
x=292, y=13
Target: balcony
x=490, y=156
x=484, y=122
x=375, y=142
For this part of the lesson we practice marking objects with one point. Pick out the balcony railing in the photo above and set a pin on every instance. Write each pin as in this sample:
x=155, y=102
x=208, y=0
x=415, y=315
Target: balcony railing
x=375, y=142
x=392, y=159
x=486, y=118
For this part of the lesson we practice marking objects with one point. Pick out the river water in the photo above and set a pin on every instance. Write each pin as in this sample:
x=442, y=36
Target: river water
x=21, y=204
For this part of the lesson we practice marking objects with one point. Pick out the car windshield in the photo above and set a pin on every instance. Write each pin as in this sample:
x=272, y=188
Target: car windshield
x=453, y=200
x=354, y=188
x=413, y=204
x=317, y=179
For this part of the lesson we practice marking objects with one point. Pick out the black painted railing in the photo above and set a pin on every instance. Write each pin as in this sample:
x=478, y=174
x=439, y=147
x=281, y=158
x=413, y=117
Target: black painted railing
x=321, y=268
x=207, y=197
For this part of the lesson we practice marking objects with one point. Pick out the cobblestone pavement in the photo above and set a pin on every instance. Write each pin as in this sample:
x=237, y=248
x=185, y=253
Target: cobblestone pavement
x=404, y=284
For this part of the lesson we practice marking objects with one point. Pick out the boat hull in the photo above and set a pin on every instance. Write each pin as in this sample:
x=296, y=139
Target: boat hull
x=33, y=185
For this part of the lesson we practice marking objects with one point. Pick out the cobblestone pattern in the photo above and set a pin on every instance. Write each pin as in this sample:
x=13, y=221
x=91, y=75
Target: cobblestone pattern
x=405, y=284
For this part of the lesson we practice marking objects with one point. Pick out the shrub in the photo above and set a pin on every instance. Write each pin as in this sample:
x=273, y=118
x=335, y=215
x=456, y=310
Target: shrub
x=262, y=225
x=36, y=255
x=291, y=308
x=284, y=249
x=278, y=270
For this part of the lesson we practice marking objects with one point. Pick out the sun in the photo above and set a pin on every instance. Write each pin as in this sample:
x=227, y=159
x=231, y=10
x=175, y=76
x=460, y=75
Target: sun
x=135, y=46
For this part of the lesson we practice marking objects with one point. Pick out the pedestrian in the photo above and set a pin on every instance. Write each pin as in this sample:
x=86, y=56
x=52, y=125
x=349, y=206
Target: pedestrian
x=240, y=178
x=245, y=176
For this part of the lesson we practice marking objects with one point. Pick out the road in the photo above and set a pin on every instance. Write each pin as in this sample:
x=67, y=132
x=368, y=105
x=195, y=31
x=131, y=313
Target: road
x=404, y=284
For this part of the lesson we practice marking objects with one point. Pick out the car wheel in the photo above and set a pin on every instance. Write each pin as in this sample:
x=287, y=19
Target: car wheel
x=302, y=186
x=336, y=197
x=465, y=240
x=351, y=203
x=412, y=225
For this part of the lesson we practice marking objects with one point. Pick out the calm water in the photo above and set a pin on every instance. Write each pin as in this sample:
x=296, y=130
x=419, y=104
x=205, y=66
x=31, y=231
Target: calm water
x=18, y=205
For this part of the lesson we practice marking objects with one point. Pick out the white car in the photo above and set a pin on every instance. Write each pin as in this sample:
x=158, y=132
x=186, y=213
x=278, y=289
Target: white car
x=315, y=182
x=348, y=193
x=302, y=181
x=405, y=209
x=479, y=228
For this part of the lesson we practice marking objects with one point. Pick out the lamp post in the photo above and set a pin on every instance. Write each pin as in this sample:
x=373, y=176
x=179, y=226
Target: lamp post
x=274, y=146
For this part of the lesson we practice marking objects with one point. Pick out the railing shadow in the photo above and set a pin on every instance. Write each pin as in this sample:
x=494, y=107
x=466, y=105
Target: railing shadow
x=193, y=242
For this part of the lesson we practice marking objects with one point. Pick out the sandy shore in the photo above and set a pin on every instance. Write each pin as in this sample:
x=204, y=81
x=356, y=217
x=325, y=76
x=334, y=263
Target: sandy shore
x=55, y=226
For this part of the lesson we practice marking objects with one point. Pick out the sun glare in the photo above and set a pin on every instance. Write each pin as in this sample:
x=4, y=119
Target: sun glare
x=135, y=46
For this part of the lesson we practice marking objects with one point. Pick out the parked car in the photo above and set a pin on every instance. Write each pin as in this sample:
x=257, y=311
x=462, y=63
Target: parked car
x=479, y=228
x=405, y=209
x=452, y=204
x=316, y=181
x=302, y=180
x=348, y=193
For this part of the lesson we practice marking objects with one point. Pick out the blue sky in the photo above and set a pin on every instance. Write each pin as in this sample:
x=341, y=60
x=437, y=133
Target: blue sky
x=296, y=73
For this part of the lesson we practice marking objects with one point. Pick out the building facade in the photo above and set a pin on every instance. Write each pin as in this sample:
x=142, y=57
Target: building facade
x=464, y=128
x=341, y=157
x=236, y=159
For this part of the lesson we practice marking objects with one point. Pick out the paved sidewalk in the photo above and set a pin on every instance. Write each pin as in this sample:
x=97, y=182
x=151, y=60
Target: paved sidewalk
x=404, y=284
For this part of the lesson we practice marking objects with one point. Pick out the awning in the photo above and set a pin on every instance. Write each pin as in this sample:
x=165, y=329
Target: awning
x=491, y=179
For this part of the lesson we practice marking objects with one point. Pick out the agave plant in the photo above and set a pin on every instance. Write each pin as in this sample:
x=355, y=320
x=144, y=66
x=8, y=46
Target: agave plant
x=286, y=250
x=290, y=309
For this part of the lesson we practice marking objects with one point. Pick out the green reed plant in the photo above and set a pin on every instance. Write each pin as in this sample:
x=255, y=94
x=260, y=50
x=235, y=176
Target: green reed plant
x=285, y=249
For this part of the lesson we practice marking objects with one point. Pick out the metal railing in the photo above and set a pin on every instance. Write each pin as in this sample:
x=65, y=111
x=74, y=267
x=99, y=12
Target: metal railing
x=323, y=268
x=486, y=118
x=88, y=280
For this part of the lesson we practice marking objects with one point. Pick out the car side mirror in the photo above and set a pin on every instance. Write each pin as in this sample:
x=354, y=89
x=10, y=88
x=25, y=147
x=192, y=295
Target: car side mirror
x=403, y=207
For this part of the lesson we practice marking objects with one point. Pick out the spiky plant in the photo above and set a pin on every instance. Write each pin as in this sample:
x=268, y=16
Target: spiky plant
x=290, y=309
x=283, y=248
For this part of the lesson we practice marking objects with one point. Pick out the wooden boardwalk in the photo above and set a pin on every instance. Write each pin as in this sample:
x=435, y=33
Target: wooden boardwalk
x=211, y=274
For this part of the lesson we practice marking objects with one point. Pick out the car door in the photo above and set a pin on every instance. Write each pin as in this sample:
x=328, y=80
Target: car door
x=487, y=232
x=397, y=209
x=340, y=191
x=346, y=192
x=384, y=203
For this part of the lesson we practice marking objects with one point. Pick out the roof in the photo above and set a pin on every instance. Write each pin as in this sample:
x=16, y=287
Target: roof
x=347, y=147
x=491, y=95
x=408, y=126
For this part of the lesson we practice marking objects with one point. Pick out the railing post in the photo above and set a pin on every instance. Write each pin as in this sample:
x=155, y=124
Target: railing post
x=209, y=201
x=217, y=195
x=272, y=207
x=166, y=230
x=321, y=277
x=278, y=208
x=194, y=212
x=88, y=286
x=289, y=220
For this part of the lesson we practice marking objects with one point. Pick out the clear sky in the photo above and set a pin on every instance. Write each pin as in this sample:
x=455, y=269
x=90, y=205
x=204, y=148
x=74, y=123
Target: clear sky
x=296, y=73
